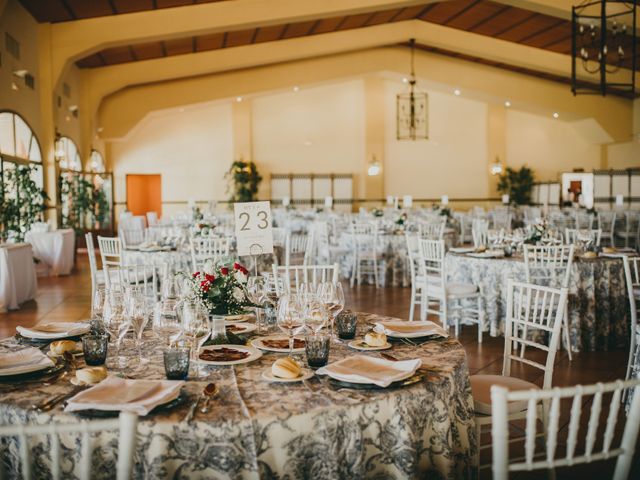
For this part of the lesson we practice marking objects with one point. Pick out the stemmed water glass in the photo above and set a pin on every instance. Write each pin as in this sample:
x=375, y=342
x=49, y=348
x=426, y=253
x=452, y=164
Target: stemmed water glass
x=97, y=308
x=115, y=320
x=315, y=314
x=290, y=318
x=257, y=295
x=136, y=312
x=196, y=328
x=332, y=296
x=166, y=323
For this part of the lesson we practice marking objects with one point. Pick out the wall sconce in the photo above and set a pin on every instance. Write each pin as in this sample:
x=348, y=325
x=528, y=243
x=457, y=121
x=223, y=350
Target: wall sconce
x=58, y=150
x=496, y=167
x=374, y=168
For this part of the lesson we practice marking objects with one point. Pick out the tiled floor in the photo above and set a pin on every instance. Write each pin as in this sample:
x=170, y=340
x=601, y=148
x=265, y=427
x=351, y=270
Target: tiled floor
x=68, y=298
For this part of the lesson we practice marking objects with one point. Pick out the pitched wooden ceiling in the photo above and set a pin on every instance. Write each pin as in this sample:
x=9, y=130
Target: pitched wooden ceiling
x=483, y=17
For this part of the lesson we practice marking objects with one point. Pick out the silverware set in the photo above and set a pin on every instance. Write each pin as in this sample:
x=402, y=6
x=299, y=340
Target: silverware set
x=51, y=403
x=209, y=391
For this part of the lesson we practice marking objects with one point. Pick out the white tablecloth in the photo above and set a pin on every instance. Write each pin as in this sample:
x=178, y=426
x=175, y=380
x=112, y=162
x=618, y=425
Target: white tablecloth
x=17, y=276
x=55, y=249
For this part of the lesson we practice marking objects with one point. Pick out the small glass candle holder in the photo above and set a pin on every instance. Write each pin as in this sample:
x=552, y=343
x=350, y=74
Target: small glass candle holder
x=317, y=349
x=346, y=325
x=176, y=363
x=95, y=349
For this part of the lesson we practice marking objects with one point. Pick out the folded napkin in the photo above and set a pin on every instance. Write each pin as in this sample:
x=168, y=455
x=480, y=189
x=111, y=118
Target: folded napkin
x=52, y=331
x=26, y=360
x=364, y=369
x=119, y=394
x=406, y=328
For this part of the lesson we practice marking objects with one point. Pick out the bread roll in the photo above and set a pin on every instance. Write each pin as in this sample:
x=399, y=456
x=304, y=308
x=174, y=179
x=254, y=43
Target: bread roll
x=590, y=255
x=610, y=250
x=61, y=346
x=91, y=375
x=285, y=368
x=375, y=339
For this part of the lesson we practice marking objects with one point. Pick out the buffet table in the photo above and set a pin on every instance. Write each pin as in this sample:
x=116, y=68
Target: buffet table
x=598, y=305
x=54, y=249
x=257, y=429
x=17, y=275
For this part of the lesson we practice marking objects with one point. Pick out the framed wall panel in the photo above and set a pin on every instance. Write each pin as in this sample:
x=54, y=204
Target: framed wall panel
x=280, y=188
x=544, y=193
x=321, y=188
x=312, y=188
x=554, y=194
x=535, y=194
x=301, y=188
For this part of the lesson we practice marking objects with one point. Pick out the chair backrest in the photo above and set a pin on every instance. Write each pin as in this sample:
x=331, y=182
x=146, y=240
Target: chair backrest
x=573, y=236
x=607, y=222
x=533, y=313
x=131, y=236
x=292, y=276
x=548, y=265
x=577, y=452
x=501, y=220
x=296, y=246
x=431, y=230
x=152, y=218
x=110, y=251
x=365, y=236
x=145, y=277
x=479, y=232
x=320, y=243
x=632, y=221
x=31, y=460
x=432, y=259
x=583, y=220
x=204, y=249
x=91, y=253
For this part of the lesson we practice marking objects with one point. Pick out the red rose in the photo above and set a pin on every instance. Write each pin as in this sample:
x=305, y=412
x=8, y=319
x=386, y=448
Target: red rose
x=210, y=278
x=224, y=271
x=237, y=266
x=195, y=274
x=205, y=289
x=244, y=270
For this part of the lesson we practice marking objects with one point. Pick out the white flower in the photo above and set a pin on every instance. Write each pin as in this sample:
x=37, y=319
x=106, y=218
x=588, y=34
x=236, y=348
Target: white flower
x=238, y=294
x=209, y=267
x=240, y=277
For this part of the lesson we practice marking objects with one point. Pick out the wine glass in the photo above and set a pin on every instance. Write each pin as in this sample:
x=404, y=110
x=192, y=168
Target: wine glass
x=256, y=292
x=170, y=288
x=114, y=320
x=332, y=296
x=315, y=314
x=97, y=307
x=195, y=327
x=290, y=318
x=138, y=317
x=166, y=323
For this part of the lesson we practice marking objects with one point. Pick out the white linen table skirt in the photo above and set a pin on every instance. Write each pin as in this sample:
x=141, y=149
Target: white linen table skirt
x=55, y=249
x=17, y=276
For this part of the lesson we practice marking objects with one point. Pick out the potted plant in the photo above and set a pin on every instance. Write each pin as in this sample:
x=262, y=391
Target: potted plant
x=518, y=184
x=244, y=181
x=20, y=211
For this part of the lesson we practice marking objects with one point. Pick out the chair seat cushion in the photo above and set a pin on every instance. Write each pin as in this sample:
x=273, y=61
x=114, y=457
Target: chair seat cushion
x=481, y=390
x=459, y=289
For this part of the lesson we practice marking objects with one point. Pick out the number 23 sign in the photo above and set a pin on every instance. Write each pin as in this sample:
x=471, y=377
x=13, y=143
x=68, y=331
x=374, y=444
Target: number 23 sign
x=253, y=228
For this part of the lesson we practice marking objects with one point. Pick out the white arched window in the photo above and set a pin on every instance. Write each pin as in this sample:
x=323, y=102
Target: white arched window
x=96, y=162
x=68, y=155
x=17, y=139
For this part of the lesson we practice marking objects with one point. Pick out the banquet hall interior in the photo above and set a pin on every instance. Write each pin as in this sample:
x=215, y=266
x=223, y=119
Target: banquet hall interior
x=319, y=239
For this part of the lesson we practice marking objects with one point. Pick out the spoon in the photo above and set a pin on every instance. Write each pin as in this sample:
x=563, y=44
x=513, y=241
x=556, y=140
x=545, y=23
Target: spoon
x=189, y=416
x=210, y=391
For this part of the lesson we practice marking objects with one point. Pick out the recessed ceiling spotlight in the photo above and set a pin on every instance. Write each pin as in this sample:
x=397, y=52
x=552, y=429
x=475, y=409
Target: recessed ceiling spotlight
x=238, y=99
x=507, y=103
x=556, y=115
x=457, y=92
x=405, y=80
x=100, y=129
x=296, y=88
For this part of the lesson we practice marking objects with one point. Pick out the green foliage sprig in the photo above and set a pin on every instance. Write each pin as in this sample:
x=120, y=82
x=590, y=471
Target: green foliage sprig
x=518, y=184
x=84, y=204
x=244, y=181
x=22, y=201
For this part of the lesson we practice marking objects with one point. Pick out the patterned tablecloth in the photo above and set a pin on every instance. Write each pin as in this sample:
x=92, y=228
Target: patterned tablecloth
x=598, y=305
x=258, y=429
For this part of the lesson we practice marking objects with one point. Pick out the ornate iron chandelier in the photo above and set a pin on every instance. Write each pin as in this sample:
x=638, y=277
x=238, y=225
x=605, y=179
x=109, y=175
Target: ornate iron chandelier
x=603, y=44
x=412, y=109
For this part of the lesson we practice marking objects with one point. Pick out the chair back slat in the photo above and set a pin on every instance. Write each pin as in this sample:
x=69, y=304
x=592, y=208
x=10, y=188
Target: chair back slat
x=573, y=236
x=291, y=277
x=110, y=251
x=548, y=265
x=624, y=449
x=55, y=454
x=205, y=249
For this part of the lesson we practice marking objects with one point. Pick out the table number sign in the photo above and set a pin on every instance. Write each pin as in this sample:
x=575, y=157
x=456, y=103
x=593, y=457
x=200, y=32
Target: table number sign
x=254, y=234
x=444, y=200
x=619, y=200
x=407, y=201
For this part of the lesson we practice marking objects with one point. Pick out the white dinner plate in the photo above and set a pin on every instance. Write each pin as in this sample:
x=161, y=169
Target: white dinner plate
x=257, y=342
x=243, y=317
x=254, y=354
x=73, y=329
x=462, y=249
x=487, y=254
x=246, y=327
x=361, y=345
x=19, y=370
x=431, y=329
x=304, y=375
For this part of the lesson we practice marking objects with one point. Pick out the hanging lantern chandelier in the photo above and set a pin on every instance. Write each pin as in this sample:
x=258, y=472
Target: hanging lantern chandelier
x=412, y=109
x=603, y=45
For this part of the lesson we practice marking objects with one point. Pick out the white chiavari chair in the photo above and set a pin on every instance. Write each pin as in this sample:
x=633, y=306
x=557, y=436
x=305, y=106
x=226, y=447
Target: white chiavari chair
x=131, y=237
x=465, y=224
x=560, y=221
x=578, y=451
x=279, y=243
x=630, y=232
x=531, y=309
x=573, y=236
x=416, y=272
x=550, y=266
x=205, y=249
x=97, y=276
x=460, y=301
x=321, y=246
x=110, y=251
x=607, y=223
x=298, y=248
x=480, y=232
x=31, y=459
x=145, y=277
x=532, y=215
x=152, y=218
x=365, y=239
x=501, y=220
x=583, y=220
x=292, y=276
x=433, y=230
x=631, y=275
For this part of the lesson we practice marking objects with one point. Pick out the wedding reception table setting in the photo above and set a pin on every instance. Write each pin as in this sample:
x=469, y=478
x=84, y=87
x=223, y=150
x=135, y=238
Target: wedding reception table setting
x=18, y=281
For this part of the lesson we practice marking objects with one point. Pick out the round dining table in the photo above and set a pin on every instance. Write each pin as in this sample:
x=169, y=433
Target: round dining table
x=259, y=429
x=18, y=281
x=598, y=304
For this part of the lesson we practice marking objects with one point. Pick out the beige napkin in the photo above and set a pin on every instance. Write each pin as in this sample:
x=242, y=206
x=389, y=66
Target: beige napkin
x=363, y=369
x=115, y=393
x=54, y=330
x=23, y=361
x=426, y=328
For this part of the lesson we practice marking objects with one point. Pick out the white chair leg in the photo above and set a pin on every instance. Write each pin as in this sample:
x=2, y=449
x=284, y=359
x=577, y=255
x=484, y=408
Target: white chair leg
x=566, y=336
x=413, y=301
x=480, y=318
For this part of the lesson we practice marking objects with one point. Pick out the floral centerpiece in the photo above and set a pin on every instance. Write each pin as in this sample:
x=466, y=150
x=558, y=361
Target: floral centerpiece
x=377, y=212
x=402, y=219
x=202, y=228
x=221, y=289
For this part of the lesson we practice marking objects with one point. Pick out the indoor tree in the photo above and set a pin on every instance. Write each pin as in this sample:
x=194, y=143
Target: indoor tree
x=22, y=201
x=518, y=184
x=244, y=180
